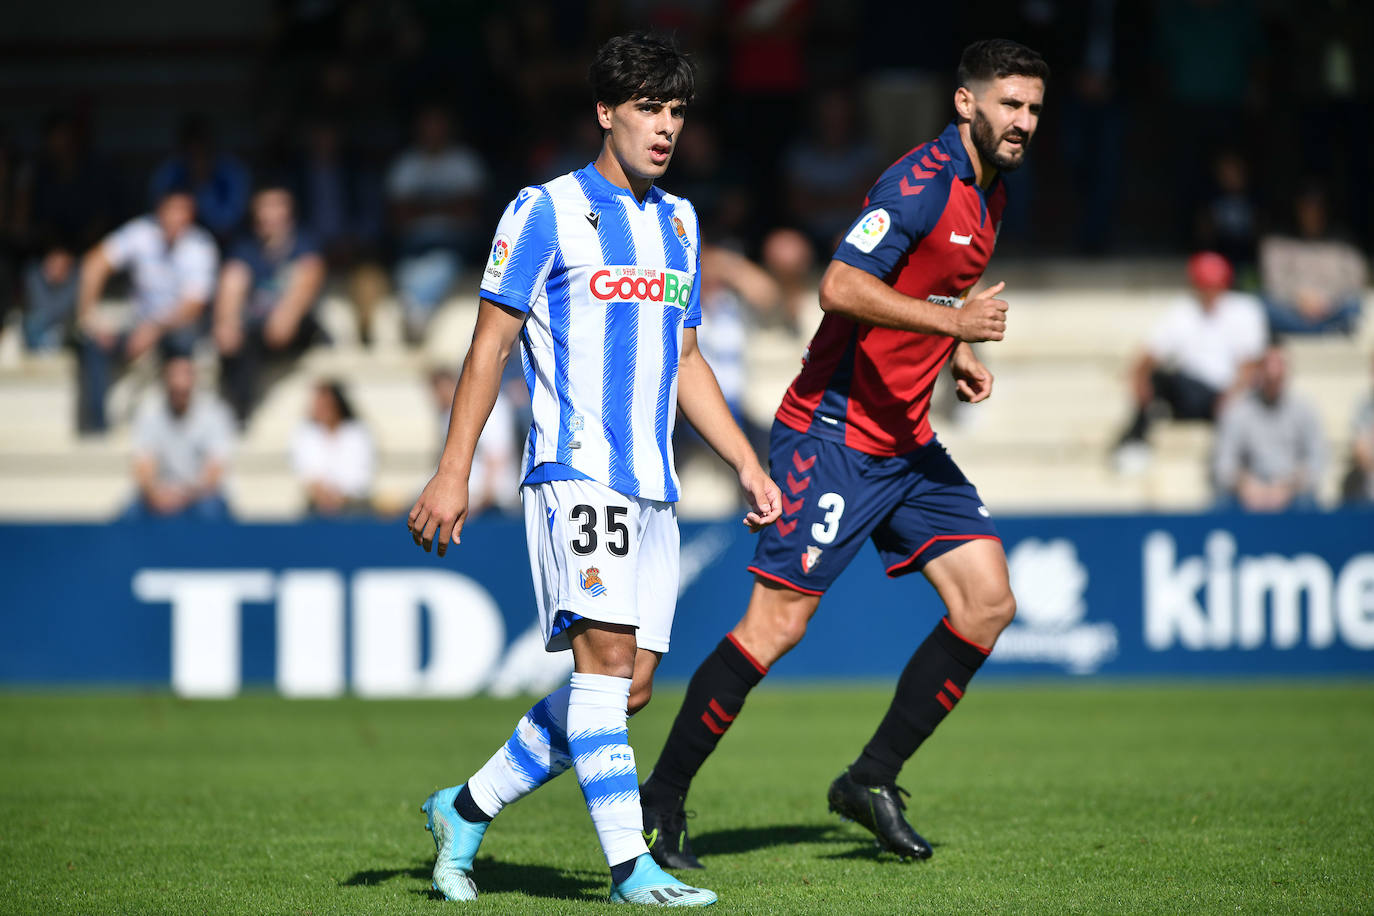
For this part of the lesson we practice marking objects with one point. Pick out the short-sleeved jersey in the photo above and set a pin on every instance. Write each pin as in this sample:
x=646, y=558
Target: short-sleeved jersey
x=609, y=283
x=163, y=275
x=927, y=229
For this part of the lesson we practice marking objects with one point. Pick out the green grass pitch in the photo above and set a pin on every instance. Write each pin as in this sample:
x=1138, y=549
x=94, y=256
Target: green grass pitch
x=1041, y=798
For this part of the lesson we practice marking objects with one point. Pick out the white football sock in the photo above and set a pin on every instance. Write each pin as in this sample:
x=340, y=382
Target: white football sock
x=536, y=752
x=605, y=764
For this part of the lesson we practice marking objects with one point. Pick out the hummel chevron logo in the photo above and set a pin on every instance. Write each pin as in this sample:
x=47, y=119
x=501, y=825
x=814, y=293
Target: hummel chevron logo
x=958, y=239
x=802, y=465
x=595, y=219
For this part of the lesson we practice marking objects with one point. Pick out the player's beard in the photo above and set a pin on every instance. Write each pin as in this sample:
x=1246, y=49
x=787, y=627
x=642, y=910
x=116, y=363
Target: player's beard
x=986, y=144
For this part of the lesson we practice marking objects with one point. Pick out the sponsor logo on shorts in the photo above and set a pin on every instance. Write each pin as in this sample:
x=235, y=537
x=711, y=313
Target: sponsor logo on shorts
x=500, y=254
x=810, y=558
x=642, y=284
x=591, y=582
x=958, y=239
x=870, y=230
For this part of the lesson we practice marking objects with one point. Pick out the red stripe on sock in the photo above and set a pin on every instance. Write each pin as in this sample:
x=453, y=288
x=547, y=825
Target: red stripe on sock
x=711, y=724
x=954, y=689
x=745, y=652
x=964, y=638
x=721, y=714
x=945, y=701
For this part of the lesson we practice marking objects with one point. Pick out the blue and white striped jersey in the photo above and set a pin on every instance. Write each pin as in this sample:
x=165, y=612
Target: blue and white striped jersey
x=609, y=283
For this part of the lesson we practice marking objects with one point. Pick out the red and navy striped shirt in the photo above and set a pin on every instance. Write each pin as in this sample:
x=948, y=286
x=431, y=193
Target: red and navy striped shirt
x=927, y=230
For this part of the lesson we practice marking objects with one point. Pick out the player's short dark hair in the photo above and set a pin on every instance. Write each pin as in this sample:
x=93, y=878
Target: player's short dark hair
x=995, y=58
x=642, y=65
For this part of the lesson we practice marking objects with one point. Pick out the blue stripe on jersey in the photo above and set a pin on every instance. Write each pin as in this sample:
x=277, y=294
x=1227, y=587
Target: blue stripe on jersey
x=835, y=402
x=677, y=260
x=621, y=342
x=527, y=256
x=560, y=316
x=527, y=364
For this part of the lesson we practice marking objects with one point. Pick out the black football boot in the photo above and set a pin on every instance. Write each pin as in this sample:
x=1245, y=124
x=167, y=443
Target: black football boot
x=879, y=809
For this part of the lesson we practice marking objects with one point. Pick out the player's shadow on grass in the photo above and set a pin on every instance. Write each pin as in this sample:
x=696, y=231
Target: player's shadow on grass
x=494, y=877
x=748, y=839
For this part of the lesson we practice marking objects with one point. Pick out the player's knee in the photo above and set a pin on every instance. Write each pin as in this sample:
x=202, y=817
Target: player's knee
x=996, y=610
x=789, y=626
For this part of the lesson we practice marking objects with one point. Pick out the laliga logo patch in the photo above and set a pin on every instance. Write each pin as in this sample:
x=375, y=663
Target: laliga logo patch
x=500, y=253
x=810, y=558
x=591, y=582
x=870, y=230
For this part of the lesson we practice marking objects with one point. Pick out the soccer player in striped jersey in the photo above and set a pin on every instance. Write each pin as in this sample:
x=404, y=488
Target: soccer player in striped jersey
x=853, y=446
x=594, y=276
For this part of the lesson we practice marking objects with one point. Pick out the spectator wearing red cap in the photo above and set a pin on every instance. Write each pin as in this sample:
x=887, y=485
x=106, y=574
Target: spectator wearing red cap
x=1203, y=350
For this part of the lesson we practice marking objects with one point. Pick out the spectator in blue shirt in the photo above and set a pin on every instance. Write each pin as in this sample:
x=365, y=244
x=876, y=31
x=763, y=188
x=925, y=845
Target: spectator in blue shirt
x=267, y=294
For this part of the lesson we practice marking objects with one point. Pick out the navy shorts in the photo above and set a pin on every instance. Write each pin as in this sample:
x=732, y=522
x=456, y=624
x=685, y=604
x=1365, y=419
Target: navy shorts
x=915, y=507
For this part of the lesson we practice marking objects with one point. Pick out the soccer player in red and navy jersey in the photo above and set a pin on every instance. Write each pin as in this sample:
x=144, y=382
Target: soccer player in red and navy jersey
x=854, y=454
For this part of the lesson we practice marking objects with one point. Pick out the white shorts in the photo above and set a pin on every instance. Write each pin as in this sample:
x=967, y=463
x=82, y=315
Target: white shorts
x=602, y=555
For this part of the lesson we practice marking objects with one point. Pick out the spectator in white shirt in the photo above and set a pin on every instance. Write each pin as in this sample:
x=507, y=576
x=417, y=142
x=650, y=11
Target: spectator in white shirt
x=332, y=455
x=1358, y=486
x=182, y=441
x=171, y=262
x=1203, y=351
x=434, y=190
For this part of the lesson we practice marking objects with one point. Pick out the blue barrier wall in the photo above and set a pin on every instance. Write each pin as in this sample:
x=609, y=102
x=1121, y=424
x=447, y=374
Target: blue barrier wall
x=321, y=608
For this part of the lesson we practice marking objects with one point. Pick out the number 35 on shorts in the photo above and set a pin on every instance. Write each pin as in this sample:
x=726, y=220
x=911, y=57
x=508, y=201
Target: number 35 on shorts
x=824, y=531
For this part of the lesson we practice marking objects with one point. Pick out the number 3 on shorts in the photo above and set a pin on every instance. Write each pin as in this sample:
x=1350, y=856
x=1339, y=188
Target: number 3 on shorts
x=618, y=535
x=824, y=531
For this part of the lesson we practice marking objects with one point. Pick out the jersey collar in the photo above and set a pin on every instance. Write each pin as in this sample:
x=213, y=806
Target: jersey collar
x=602, y=184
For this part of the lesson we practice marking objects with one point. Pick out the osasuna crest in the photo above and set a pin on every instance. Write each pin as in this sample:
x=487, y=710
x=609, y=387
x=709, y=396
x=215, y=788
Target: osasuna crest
x=810, y=558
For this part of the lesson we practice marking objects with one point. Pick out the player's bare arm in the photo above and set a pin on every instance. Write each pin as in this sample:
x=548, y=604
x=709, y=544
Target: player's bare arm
x=857, y=294
x=704, y=407
x=443, y=504
x=972, y=380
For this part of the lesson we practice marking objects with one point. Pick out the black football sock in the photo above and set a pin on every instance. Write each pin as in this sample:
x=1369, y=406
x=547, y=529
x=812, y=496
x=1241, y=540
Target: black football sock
x=930, y=685
x=715, y=696
x=467, y=808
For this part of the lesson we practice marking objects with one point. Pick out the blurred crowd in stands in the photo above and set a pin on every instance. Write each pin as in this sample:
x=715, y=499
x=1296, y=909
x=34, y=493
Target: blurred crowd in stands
x=386, y=135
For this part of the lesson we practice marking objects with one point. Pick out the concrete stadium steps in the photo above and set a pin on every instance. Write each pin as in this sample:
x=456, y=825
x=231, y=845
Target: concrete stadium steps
x=1043, y=441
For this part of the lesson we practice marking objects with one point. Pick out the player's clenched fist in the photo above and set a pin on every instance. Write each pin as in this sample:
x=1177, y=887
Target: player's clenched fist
x=441, y=509
x=983, y=317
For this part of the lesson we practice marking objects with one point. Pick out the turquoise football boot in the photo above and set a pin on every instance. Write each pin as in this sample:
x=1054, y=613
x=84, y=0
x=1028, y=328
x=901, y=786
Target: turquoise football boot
x=455, y=845
x=651, y=885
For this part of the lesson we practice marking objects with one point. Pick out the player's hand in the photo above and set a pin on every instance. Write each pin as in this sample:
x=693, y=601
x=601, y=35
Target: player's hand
x=765, y=500
x=440, y=511
x=972, y=380
x=983, y=317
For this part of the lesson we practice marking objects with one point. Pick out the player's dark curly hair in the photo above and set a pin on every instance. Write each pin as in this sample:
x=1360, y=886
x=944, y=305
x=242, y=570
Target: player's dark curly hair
x=995, y=58
x=642, y=65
